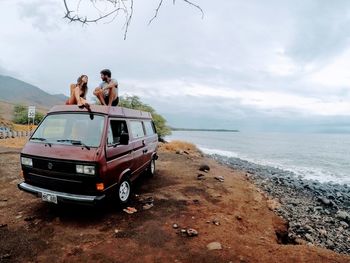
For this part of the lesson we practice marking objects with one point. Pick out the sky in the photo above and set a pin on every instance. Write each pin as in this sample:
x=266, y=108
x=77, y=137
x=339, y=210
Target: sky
x=247, y=64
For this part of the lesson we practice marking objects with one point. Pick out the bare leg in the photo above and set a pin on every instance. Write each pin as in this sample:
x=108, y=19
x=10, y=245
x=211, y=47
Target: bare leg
x=99, y=94
x=112, y=96
x=72, y=99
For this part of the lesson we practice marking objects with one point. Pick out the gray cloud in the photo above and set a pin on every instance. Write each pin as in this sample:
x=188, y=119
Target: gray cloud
x=41, y=14
x=247, y=64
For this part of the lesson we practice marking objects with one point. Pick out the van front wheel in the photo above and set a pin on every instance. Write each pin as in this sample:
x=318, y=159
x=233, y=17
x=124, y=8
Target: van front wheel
x=124, y=191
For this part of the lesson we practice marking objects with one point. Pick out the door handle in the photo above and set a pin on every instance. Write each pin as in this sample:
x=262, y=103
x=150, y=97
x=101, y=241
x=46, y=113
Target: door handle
x=144, y=151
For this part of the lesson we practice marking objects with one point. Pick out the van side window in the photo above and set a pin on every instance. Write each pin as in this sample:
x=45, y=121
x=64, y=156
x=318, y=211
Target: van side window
x=148, y=127
x=116, y=128
x=137, y=129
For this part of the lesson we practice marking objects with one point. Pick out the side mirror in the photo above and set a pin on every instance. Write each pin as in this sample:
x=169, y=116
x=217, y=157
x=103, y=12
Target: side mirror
x=124, y=139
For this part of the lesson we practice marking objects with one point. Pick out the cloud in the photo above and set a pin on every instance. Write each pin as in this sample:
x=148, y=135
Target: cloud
x=41, y=14
x=247, y=63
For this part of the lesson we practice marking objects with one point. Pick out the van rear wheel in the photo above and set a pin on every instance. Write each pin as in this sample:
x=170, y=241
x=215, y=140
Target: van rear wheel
x=124, y=191
x=151, y=168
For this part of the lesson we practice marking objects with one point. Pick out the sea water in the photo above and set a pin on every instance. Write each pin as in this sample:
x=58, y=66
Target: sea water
x=322, y=157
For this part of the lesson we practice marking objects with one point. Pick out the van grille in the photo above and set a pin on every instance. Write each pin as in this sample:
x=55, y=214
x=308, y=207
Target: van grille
x=59, y=175
x=53, y=165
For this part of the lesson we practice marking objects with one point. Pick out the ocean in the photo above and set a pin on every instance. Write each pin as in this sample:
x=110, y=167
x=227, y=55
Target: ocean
x=321, y=157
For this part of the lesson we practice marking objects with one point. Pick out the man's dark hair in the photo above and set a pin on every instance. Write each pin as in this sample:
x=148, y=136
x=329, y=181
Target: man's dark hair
x=106, y=72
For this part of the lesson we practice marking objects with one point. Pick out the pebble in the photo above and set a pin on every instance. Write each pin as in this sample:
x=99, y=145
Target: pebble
x=220, y=178
x=214, y=246
x=175, y=226
x=147, y=206
x=318, y=213
x=325, y=201
x=330, y=244
x=200, y=177
x=343, y=215
x=204, y=168
x=5, y=256
x=344, y=224
x=216, y=222
x=192, y=232
x=309, y=238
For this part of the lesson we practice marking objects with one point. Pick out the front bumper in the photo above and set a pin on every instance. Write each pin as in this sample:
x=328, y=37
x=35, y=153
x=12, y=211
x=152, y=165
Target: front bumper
x=61, y=196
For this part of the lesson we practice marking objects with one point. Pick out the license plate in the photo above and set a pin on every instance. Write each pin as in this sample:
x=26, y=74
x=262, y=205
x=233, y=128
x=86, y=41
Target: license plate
x=49, y=198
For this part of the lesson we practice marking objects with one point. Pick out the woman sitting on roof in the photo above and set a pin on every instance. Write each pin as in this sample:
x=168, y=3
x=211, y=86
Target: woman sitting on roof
x=78, y=92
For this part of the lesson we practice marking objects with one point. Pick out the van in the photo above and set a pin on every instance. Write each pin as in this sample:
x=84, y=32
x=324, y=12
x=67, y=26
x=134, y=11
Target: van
x=81, y=156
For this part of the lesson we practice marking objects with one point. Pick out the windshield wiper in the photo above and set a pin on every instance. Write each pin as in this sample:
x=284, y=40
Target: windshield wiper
x=41, y=139
x=75, y=142
x=38, y=139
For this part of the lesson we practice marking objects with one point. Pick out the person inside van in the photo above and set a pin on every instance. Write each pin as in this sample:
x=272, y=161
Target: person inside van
x=107, y=92
x=78, y=93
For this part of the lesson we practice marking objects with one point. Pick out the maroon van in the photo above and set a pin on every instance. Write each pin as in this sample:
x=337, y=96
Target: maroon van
x=81, y=157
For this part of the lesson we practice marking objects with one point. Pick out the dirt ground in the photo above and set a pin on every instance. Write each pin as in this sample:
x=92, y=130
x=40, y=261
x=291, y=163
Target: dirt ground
x=33, y=231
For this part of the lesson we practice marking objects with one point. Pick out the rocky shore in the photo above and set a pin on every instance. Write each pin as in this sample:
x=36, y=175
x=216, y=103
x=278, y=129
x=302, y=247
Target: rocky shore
x=318, y=213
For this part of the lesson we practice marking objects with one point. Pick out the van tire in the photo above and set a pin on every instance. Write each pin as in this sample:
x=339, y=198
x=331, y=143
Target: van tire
x=151, y=168
x=124, y=191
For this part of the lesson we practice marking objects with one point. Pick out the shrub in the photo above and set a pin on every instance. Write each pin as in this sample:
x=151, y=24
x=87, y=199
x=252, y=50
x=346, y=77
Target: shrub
x=20, y=115
x=134, y=102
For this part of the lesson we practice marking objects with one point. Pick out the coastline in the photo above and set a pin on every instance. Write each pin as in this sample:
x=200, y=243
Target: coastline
x=317, y=213
x=225, y=205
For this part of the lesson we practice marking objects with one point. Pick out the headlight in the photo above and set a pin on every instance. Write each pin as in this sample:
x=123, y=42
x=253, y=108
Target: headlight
x=80, y=169
x=85, y=169
x=89, y=169
x=27, y=161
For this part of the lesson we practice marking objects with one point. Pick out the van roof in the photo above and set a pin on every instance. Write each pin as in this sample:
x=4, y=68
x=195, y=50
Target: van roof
x=106, y=110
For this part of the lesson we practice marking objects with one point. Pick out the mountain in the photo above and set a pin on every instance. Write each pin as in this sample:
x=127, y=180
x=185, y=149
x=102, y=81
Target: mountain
x=15, y=91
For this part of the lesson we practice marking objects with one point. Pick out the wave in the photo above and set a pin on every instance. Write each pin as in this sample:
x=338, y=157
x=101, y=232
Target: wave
x=309, y=173
x=218, y=152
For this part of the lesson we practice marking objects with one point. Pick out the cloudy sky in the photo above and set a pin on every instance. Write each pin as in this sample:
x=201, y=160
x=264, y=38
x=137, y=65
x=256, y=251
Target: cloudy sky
x=250, y=65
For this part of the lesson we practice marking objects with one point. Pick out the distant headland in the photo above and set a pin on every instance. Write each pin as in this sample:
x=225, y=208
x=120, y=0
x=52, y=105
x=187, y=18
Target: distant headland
x=208, y=130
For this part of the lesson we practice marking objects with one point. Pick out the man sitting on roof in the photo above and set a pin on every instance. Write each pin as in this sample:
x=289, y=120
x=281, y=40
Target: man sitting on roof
x=107, y=92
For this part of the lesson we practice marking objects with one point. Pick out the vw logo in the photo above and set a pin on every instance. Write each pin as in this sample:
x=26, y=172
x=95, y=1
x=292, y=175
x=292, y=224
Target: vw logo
x=49, y=165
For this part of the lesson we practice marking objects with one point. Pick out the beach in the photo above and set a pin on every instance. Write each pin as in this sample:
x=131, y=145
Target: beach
x=232, y=212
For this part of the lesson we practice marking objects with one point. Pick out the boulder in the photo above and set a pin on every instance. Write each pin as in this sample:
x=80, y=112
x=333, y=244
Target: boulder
x=204, y=168
x=343, y=215
x=214, y=246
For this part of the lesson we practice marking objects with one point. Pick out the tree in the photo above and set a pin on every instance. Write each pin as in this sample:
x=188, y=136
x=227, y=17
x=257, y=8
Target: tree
x=134, y=102
x=20, y=115
x=111, y=10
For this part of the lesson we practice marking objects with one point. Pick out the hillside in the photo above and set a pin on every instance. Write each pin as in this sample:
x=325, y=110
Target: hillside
x=16, y=91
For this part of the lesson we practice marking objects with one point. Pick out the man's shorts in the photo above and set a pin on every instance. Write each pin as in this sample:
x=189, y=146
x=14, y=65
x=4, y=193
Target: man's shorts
x=114, y=103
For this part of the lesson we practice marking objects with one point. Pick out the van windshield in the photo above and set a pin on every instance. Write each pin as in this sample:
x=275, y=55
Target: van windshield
x=73, y=129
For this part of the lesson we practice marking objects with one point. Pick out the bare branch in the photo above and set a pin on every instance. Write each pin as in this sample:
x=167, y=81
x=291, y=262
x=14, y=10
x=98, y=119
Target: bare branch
x=196, y=6
x=113, y=11
x=157, y=10
x=129, y=18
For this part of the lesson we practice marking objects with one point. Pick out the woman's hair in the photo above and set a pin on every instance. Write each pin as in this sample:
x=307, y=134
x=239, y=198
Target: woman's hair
x=84, y=87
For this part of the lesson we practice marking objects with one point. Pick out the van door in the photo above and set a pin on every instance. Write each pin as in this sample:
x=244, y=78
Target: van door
x=151, y=140
x=138, y=144
x=119, y=157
